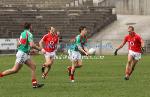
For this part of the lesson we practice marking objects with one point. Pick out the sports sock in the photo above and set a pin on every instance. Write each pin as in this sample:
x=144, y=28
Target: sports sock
x=1, y=75
x=71, y=77
x=34, y=82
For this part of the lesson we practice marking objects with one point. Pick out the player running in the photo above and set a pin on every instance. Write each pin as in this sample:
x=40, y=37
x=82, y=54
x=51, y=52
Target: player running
x=49, y=44
x=135, y=46
x=22, y=57
x=77, y=47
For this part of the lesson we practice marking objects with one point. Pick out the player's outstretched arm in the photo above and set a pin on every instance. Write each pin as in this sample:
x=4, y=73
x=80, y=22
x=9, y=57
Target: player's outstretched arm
x=58, y=43
x=81, y=49
x=34, y=46
x=18, y=43
x=86, y=49
x=142, y=46
x=119, y=47
x=41, y=46
x=115, y=53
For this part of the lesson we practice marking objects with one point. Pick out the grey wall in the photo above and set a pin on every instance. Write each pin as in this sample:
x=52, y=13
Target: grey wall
x=141, y=7
x=138, y=7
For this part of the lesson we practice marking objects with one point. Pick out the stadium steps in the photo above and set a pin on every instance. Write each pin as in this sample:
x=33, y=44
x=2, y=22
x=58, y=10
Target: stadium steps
x=35, y=3
x=67, y=21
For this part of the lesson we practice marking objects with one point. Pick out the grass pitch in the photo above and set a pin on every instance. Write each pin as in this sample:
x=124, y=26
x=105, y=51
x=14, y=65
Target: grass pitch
x=97, y=78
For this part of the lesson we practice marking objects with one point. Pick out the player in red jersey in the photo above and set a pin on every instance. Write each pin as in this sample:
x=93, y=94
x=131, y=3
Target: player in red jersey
x=135, y=47
x=49, y=45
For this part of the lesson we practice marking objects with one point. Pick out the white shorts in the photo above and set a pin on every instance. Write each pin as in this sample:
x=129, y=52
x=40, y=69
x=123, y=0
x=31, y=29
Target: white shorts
x=135, y=55
x=74, y=55
x=21, y=57
x=50, y=54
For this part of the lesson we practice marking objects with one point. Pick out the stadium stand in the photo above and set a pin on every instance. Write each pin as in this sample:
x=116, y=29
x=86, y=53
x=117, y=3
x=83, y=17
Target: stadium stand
x=66, y=19
x=34, y=3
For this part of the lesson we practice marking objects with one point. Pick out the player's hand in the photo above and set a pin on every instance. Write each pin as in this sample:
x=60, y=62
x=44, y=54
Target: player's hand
x=142, y=49
x=43, y=51
x=115, y=53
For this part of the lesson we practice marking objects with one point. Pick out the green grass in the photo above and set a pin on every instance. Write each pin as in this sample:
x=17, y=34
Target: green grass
x=97, y=78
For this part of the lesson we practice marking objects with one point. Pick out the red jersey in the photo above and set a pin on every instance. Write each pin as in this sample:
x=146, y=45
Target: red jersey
x=134, y=42
x=50, y=42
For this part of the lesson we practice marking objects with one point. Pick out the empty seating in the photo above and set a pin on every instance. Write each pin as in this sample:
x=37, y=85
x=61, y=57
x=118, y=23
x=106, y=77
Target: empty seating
x=66, y=20
x=35, y=3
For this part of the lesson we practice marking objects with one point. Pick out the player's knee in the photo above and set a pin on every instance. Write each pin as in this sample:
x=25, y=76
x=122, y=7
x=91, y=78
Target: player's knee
x=34, y=67
x=78, y=66
x=49, y=63
x=73, y=69
x=129, y=62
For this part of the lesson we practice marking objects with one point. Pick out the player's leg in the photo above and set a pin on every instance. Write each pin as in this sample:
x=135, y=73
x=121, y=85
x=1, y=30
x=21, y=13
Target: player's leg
x=47, y=66
x=75, y=58
x=72, y=70
x=75, y=64
x=49, y=59
x=70, y=57
x=78, y=64
x=13, y=70
x=137, y=57
x=20, y=56
x=79, y=60
x=128, y=67
x=134, y=62
x=32, y=67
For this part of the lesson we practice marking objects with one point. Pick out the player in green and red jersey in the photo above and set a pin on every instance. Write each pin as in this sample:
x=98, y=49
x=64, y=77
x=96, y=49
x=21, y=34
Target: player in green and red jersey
x=22, y=57
x=77, y=47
